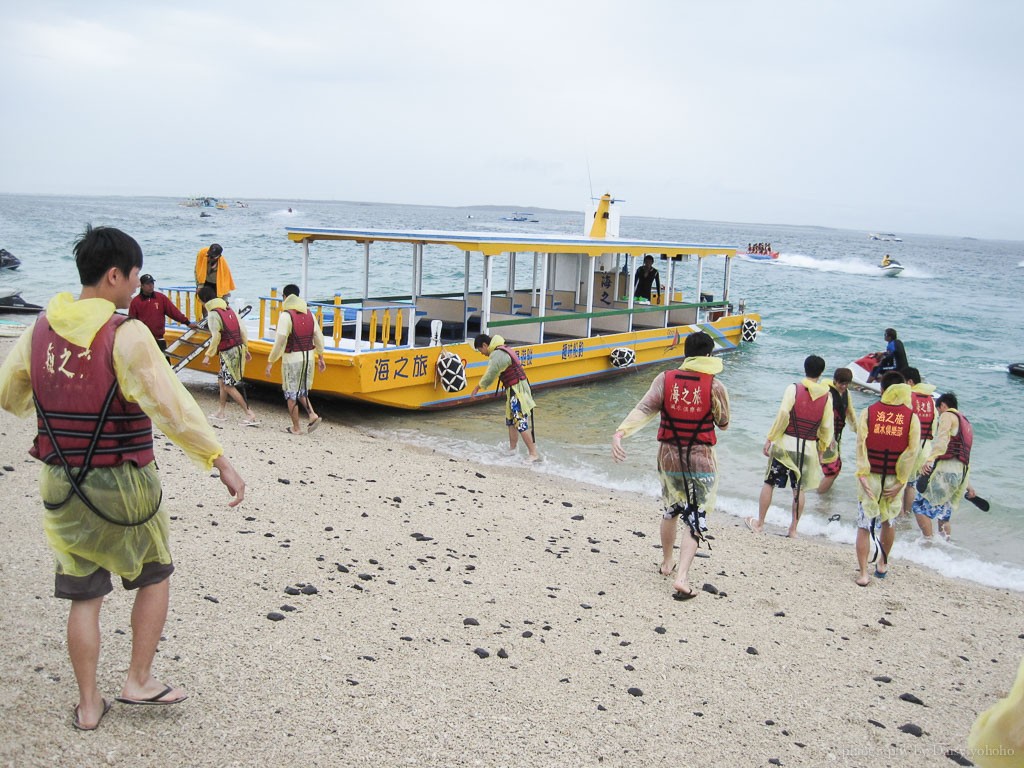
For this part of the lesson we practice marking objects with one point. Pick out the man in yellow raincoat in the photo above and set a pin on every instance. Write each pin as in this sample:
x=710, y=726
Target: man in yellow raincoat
x=504, y=365
x=888, y=439
x=298, y=341
x=801, y=432
x=97, y=382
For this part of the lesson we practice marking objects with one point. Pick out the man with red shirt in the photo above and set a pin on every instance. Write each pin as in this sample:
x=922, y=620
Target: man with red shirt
x=152, y=308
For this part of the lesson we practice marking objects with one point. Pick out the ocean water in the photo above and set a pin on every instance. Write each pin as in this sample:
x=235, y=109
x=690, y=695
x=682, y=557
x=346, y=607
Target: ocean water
x=955, y=307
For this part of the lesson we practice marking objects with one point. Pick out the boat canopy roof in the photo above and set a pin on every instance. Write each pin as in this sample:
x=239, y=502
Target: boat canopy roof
x=494, y=243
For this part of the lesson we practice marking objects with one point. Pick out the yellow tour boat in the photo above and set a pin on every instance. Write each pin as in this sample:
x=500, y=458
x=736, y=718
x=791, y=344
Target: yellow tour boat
x=569, y=311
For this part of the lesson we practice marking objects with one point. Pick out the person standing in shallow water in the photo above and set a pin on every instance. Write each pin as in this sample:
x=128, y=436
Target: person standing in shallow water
x=692, y=403
x=843, y=413
x=504, y=366
x=801, y=432
x=99, y=482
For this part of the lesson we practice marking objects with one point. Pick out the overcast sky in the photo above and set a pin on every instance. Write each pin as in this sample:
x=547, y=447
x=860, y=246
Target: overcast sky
x=881, y=115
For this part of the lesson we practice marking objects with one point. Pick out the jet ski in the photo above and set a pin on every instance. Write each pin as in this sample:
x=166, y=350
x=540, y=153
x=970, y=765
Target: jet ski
x=11, y=301
x=891, y=269
x=8, y=260
x=861, y=369
x=1016, y=369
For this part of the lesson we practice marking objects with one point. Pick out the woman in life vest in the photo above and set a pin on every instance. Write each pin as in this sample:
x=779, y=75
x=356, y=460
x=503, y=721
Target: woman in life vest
x=888, y=436
x=947, y=468
x=299, y=340
x=229, y=339
x=801, y=432
x=504, y=366
x=922, y=400
x=692, y=402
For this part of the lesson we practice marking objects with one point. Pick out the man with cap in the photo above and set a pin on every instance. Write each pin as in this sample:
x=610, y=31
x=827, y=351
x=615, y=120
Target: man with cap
x=152, y=308
x=212, y=270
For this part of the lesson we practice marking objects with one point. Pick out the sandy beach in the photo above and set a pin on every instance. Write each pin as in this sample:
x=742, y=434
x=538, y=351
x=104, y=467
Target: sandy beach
x=372, y=603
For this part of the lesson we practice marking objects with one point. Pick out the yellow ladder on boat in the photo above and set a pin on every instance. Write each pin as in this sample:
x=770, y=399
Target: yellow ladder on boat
x=190, y=347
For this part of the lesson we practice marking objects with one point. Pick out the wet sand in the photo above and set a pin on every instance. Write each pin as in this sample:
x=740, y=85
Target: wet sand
x=372, y=603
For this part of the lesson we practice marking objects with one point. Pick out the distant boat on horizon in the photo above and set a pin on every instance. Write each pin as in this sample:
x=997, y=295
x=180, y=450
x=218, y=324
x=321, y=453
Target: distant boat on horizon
x=887, y=237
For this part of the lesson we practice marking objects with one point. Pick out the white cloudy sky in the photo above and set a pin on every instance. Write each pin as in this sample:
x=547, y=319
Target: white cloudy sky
x=883, y=115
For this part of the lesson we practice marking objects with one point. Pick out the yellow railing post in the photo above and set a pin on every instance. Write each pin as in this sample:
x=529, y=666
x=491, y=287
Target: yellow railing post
x=373, y=328
x=338, y=315
x=398, y=328
x=263, y=315
x=275, y=306
x=385, y=328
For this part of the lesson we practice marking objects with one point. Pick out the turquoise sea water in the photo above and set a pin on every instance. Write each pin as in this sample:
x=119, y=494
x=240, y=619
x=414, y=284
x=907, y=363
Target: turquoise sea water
x=955, y=306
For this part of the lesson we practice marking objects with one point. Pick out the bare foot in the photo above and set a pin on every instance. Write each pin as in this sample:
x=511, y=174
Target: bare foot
x=667, y=568
x=533, y=457
x=863, y=580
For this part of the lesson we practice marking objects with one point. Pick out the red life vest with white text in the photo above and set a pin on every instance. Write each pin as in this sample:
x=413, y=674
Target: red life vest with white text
x=686, y=409
x=82, y=417
x=924, y=407
x=888, y=436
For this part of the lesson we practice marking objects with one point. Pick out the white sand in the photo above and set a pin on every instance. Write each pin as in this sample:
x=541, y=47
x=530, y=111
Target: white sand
x=378, y=667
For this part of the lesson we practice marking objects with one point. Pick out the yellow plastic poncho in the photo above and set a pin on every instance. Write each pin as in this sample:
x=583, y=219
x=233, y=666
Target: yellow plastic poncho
x=499, y=361
x=233, y=359
x=296, y=367
x=997, y=736
x=785, y=448
x=82, y=541
x=948, y=481
x=225, y=282
x=875, y=504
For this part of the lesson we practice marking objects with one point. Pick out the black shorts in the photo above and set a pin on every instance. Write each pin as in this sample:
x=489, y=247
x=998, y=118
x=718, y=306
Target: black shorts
x=98, y=583
x=778, y=474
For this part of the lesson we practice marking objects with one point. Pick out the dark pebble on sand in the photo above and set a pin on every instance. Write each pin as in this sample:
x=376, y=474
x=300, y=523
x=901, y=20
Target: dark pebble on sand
x=913, y=730
x=470, y=622
x=397, y=499
x=527, y=633
x=284, y=481
x=309, y=589
x=8, y=468
x=774, y=761
x=502, y=653
x=710, y=588
x=288, y=608
x=752, y=650
x=911, y=698
x=586, y=606
x=885, y=622
x=292, y=591
x=566, y=503
x=421, y=537
x=635, y=692
x=601, y=708
x=780, y=613
x=481, y=653
x=660, y=630
x=342, y=568
x=275, y=616
x=576, y=517
x=882, y=679
x=365, y=576
x=211, y=598
x=702, y=553
x=876, y=724
x=957, y=758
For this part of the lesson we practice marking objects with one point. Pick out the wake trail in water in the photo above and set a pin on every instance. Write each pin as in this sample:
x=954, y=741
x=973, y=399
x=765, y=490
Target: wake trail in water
x=844, y=266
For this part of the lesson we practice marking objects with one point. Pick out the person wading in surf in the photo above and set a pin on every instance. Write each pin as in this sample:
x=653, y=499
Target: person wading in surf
x=804, y=418
x=888, y=439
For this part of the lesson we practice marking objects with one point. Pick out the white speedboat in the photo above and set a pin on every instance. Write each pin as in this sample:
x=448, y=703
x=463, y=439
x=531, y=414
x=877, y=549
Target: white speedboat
x=892, y=269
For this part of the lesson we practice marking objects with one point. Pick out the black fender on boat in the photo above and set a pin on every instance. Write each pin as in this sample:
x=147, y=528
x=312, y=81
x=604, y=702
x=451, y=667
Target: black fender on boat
x=1016, y=369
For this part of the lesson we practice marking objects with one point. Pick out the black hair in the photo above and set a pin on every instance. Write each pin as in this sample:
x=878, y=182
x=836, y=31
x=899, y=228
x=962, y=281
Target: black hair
x=947, y=399
x=206, y=293
x=481, y=339
x=890, y=334
x=890, y=378
x=214, y=250
x=912, y=374
x=101, y=248
x=814, y=366
x=698, y=344
x=842, y=376
x=290, y=290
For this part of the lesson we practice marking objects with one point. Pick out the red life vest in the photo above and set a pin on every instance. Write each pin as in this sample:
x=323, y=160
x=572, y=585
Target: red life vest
x=81, y=415
x=514, y=373
x=230, y=332
x=301, y=337
x=686, y=409
x=888, y=436
x=805, y=418
x=959, y=447
x=924, y=407
x=840, y=403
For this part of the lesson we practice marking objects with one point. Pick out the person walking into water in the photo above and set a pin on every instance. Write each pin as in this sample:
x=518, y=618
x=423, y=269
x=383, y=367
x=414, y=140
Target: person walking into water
x=947, y=468
x=843, y=413
x=299, y=340
x=888, y=436
x=504, y=365
x=692, y=403
x=803, y=429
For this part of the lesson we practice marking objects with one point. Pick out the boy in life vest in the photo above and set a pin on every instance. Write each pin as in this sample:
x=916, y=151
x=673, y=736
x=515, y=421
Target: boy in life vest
x=504, y=366
x=801, y=432
x=888, y=437
x=299, y=339
x=229, y=339
x=947, y=467
x=97, y=382
x=692, y=402
x=923, y=402
x=843, y=413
